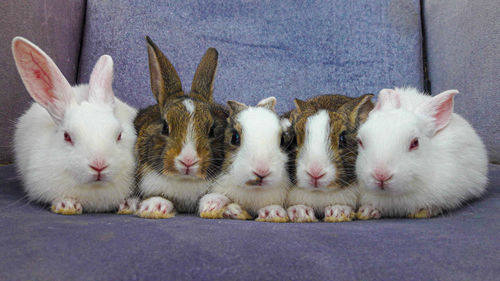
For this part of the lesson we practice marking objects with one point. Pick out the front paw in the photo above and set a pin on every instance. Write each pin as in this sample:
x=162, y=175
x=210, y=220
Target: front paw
x=368, y=212
x=128, y=206
x=212, y=206
x=66, y=206
x=234, y=211
x=272, y=213
x=425, y=213
x=338, y=213
x=301, y=213
x=156, y=208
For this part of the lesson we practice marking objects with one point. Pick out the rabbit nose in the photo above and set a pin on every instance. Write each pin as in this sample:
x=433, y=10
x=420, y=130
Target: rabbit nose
x=188, y=162
x=316, y=175
x=261, y=173
x=381, y=176
x=98, y=167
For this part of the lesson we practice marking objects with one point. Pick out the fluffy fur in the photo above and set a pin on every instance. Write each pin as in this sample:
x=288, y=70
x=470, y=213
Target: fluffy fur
x=325, y=153
x=417, y=158
x=256, y=151
x=180, y=139
x=67, y=131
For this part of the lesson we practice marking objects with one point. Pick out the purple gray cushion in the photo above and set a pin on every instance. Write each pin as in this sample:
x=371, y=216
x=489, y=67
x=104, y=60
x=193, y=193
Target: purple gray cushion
x=463, y=39
x=56, y=27
x=36, y=244
x=285, y=48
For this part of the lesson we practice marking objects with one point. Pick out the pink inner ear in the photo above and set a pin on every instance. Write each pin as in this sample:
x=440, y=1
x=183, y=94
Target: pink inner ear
x=443, y=113
x=387, y=97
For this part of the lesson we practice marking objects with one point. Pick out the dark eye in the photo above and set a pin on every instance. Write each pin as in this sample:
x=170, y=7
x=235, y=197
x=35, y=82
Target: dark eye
x=165, y=130
x=119, y=138
x=67, y=138
x=342, y=140
x=211, y=133
x=235, y=138
x=360, y=143
x=414, y=144
x=282, y=141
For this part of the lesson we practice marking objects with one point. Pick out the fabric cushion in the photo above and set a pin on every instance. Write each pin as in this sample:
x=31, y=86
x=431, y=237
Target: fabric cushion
x=463, y=38
x=56, y=27
x=36, y=244
x=287, y=49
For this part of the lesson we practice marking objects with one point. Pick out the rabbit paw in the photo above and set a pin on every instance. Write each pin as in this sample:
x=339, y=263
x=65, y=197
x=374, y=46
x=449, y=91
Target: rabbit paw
x=66, y=206
x=368, y=212
x=234, y=211
x=128, y=206
x=301, y=213
x=212, y=206
x=156, y=208
x=425, y=213
x=272, y=213
x=338, y=213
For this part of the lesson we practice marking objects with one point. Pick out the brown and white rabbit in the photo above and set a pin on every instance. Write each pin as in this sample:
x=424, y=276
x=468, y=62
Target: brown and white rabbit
x=325, y=129
x=180, y=140
x=74, y=147
x=254, y=176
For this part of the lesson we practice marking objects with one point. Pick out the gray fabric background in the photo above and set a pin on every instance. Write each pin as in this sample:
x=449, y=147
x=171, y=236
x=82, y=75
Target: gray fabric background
x=56, y=27
x=463, y=50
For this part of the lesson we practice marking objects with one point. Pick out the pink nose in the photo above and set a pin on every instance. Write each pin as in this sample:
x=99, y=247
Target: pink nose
x=316, y=175
x=262, y=173
x=381, y=176
x=188, y=162
x=99, y=167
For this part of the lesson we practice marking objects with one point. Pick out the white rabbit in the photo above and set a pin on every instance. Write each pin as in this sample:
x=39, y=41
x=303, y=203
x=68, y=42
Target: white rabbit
x=74, y=146
x=254, y=174
x=416, y=157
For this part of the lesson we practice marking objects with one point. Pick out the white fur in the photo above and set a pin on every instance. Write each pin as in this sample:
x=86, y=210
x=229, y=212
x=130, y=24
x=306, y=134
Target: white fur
x=213, y=202
x=189, y=105
x=52, y=169
x=319, y=200
x=448, y=167
x=179, y=188
x=156, y=204
x=316, y=153
x=260, y=148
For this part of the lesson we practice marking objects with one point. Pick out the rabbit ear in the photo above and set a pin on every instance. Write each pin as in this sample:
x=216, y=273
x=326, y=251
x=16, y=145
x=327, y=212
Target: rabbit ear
x=101, y=81
x=165, y=82
x=387, y=98
x=235, y=107
x=358, y=110
x=203, y=81
x=439, y=108
x=42, y=78
x=268, y=103
x=303, y=105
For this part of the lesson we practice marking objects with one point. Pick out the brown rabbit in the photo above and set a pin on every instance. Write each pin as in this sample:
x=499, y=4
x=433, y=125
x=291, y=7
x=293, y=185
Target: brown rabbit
x=180, y=140
x=324, y=157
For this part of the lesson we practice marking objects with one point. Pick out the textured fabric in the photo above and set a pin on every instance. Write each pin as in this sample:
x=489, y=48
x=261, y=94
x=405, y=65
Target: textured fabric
x=288, y=49
x=56, y=27
x=38, y=245
x=463, y=38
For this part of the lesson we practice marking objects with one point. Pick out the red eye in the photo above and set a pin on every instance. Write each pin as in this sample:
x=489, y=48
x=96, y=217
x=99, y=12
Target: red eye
x=414, y=144
x=360, y=143
x=67, y=138
x=119, y=137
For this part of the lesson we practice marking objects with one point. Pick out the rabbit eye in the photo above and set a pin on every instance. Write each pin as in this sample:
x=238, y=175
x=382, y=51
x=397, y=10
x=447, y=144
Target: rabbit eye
x=67, y=138
x=282, y=141
x=414, y=144
x=360, y=143
x=119, y=138
x=165, y=130
x=342, y=140
x=211, y=133
x=235, y=138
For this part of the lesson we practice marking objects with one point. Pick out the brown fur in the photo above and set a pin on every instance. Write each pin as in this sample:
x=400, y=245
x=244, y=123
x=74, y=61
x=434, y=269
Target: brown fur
x=156, y=151
x=346, y=115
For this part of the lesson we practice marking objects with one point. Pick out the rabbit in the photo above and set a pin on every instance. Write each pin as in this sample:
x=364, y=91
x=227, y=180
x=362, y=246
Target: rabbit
x=324, y=157
x=416, y=157
x=254, y=180
x=73, y=148
x=180, y=139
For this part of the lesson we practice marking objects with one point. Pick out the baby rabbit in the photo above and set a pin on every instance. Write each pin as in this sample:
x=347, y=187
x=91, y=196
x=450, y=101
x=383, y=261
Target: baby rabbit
x=254, y=173
x=325, y=128
x=180, y=139
x=416, y=157
x=74, y=146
